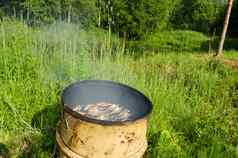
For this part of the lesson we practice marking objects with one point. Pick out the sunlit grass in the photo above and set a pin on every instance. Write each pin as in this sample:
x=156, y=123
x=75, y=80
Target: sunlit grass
x=231, y=54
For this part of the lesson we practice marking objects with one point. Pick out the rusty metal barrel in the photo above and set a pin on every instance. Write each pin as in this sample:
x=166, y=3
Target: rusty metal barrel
x=82, y=136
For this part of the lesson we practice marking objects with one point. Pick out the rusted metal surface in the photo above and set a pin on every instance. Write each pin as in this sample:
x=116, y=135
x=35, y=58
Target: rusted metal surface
x=103, y=119
x=82, y=139
x=65, y=152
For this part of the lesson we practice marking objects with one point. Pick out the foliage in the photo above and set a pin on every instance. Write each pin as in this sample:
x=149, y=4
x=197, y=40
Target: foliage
x=47, y=11
x=130, y=19
x=200, y=15
x=133, y=19
x=206, y=14
x=85, y=11
x=232, y=30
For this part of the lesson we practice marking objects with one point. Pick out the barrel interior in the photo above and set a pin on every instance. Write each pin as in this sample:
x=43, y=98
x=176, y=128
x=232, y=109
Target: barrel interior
x=90, y=92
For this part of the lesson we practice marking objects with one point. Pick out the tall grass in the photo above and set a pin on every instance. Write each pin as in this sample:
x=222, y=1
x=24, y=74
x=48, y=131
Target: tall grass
x=177, y=40
x=195, y=100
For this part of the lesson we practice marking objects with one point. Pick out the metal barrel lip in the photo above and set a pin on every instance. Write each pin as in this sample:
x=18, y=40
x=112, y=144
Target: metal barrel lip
x=105, y=122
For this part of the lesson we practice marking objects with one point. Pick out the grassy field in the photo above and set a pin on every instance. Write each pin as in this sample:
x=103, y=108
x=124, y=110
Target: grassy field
x=231, y=55
x=195, y=100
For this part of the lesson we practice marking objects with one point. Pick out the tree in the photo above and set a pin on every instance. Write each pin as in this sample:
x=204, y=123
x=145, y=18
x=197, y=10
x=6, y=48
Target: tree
x=205, y=14
x=134, y=19
x=85, y=11
x=199, y=15
x=226, y=23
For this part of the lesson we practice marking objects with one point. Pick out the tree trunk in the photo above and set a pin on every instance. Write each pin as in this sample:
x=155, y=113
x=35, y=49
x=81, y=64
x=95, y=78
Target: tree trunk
x=226, y=23
x=99, y=13
x=69, y=14
x=28, y=14
x=14, y=12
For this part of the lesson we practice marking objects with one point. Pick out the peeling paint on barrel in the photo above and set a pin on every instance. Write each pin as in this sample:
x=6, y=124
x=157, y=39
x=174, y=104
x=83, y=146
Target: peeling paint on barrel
x=90, y=140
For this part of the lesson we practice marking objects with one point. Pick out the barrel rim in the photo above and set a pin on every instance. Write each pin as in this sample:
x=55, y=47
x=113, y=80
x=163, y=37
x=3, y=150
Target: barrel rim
x=106, y=122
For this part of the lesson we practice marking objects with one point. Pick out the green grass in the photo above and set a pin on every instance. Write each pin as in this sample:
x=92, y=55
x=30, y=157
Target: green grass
x=181, y=41
x=178, y=40
x=195, y=101
x=231, y=54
